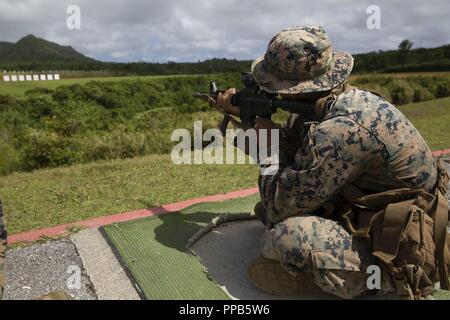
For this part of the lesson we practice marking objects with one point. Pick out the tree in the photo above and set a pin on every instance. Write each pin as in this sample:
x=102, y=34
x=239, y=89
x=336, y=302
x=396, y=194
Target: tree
x=405, y=45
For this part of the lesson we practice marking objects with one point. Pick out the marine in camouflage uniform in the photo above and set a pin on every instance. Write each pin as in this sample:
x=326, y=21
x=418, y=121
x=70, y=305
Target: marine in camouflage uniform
x=363, y=141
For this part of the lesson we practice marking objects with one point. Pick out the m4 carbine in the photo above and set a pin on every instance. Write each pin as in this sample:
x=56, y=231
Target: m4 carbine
x=253, y=102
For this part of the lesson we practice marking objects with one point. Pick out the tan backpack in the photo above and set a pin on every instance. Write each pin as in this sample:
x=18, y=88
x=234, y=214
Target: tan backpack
x=407, y=230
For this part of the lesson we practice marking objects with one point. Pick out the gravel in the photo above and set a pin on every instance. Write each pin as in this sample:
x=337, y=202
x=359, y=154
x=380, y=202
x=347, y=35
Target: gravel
x=43, y=268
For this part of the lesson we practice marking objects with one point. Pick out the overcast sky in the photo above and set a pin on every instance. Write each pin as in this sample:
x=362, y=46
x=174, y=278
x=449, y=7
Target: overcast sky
x=191, y=30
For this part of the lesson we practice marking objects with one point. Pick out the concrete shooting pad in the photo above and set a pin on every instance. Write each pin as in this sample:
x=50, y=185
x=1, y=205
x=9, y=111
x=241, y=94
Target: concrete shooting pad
x=228, y=250
x=152, y=252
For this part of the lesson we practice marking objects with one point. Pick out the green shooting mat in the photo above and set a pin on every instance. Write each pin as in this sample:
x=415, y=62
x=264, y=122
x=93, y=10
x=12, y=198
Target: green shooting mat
x=441, y=295
x=152, y=250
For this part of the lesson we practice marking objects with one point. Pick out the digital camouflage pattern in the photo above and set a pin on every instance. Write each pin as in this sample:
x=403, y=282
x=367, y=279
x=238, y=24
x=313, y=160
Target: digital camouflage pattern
x=364, y=141
x=2, y=251
x=301, y=59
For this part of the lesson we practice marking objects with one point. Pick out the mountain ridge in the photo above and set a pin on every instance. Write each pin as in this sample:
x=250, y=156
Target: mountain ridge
x=34, y=53
x=35, y=49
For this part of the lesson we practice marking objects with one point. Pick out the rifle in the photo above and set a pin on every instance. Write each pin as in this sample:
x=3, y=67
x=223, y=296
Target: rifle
x=254, y=102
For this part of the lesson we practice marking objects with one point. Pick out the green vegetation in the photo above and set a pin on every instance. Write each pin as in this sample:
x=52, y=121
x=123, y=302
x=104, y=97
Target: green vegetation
x=20, y=88
x=31, y=48
x=432, y=119
x=32, y=53
x=406, y=89
x=404, y=60
x=99, y=120
x=87, y=127
x=134, y=117
x=50, y=197
x=35, y=54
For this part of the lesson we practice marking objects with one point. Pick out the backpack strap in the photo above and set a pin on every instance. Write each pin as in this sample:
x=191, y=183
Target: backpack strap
x=396, y=217
x=440, y=234
x=440, y=218
x=399, y=207
x=369, y=207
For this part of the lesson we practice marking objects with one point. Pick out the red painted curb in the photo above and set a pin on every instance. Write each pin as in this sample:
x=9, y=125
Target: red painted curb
x=441, y=152
x=34, y=235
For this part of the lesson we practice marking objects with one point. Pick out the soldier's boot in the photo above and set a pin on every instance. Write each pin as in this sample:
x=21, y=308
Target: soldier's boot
x=271, y=277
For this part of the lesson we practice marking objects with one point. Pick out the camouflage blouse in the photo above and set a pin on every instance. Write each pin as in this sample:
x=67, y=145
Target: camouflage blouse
x=363, y=140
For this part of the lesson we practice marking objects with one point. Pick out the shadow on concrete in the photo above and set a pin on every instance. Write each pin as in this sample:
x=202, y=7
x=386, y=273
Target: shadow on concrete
x=176, y=228
x=228, y=250
x=225, y=252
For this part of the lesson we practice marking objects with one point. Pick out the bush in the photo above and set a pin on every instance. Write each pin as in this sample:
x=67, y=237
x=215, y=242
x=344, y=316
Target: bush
x=118, y=144
x=9, y=158
x=39, y=106
x=380, y=90
x=406, y=89
x=123, y=119
x=38, y=91
x=442, y=90
x=47, y=149
x=422, y=94
x=402, y=92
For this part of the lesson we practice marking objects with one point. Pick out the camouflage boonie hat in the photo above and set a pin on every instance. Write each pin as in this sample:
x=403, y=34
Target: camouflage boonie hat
x=301, y=60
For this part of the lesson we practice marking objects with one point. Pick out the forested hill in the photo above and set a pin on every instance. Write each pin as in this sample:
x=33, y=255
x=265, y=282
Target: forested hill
x=4, y=47
x=32, y=53
x=37, y=52
x=421, y=59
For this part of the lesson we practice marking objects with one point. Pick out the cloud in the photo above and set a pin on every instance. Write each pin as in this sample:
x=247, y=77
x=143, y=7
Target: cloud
x=191, y=30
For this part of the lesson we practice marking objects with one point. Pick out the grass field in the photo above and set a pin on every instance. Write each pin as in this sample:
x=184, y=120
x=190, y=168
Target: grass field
x=402, y=74
x=53, y=196
x=432, y=119
x=19, y=88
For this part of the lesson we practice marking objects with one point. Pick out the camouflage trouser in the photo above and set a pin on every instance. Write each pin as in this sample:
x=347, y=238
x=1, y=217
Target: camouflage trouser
x=313, y=244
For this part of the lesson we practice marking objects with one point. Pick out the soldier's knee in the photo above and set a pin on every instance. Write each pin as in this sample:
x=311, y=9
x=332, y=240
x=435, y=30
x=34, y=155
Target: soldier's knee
x=299, y=228
x=303, y=231
x=293, y=239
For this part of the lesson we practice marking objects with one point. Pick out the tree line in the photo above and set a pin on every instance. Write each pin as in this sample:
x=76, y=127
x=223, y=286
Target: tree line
x=405, y=59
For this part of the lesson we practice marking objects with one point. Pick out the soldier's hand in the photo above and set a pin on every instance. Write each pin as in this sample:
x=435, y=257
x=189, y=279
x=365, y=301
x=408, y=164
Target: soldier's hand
x=224, y=102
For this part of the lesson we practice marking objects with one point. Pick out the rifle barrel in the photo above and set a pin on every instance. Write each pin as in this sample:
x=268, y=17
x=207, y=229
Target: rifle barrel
x=294, y=106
